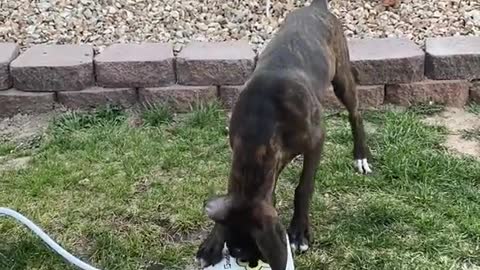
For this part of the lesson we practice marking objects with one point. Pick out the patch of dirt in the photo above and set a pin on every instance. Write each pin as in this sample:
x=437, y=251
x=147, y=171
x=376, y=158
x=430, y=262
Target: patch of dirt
x=134, y=119
x=142, y=186
x=193, y=237
x=463, y=146
x=83, y=246
x=15, y=164
x=23, y=128
x=457, y=121
x=370, y=128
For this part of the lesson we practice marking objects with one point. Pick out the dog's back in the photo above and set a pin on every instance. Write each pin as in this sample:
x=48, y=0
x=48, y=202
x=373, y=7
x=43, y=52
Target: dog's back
x=288, y=83
x=304, y=44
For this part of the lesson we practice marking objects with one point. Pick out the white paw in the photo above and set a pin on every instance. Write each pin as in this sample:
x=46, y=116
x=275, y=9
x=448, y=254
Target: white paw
x=301, y=248
x=201, y=262
x=362, y=166
x=225, y=250
x=293, y=247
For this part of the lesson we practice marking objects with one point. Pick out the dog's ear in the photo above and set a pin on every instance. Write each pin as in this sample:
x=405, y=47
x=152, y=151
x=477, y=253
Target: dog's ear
x=218, y=208
x=270, y=237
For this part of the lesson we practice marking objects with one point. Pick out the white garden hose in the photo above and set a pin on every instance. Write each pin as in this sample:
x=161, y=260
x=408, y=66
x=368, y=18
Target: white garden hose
x=84, y=266
x=62, y=252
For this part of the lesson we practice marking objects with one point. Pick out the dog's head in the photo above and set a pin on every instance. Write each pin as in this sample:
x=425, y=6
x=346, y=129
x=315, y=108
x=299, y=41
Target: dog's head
x=252, y=230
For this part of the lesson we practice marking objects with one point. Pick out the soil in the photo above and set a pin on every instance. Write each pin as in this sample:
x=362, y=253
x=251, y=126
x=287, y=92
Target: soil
x=457, y=121
x=23, y=131
x=22, y=128
x=15, y=164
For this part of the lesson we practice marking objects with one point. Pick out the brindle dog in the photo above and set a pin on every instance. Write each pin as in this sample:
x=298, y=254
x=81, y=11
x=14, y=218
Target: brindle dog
x=278, y=116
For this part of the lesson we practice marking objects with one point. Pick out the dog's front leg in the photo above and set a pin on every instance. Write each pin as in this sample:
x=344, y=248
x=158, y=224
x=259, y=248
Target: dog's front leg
x=210, y=251
x=299, y=231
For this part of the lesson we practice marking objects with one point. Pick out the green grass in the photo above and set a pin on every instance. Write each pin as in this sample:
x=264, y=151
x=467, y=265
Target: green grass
x=123, y=197
x=6, y=148
x=155, y=115
x=471, y=134
x=427, y=109
x=474, y=108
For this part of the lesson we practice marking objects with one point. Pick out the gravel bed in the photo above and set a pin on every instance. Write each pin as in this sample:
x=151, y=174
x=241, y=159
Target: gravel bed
x=102, y=22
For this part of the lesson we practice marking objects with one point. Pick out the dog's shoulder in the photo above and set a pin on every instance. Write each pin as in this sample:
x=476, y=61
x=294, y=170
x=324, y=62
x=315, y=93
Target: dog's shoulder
x=278, y=89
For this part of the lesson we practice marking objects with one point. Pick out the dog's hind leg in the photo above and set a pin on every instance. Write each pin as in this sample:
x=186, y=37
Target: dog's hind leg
x=344, y=86
x=299, y=231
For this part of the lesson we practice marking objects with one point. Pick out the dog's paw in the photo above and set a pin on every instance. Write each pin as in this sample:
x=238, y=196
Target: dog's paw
x=299, y=237
x=210, y=253
x=362, y=166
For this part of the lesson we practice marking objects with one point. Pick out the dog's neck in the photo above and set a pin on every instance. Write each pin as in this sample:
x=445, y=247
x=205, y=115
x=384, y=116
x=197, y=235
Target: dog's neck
x=253, y=176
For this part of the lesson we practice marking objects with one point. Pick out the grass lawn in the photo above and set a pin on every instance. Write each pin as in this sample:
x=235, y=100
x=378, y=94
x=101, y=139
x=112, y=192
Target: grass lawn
x=124, y=197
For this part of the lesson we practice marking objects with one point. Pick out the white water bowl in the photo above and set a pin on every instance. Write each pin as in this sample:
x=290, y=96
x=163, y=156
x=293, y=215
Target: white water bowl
x=228, y=262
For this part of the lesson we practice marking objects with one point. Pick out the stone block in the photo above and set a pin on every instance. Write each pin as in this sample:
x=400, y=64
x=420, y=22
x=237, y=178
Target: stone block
x=8, y=52
x=228, y=95
x=54, y=68
x=450, y=93
x=216, y=63
x=136, y=65
x=97, y=97
x=475, y=91
x=180, y=97
x=14, y=102
x=388, y=60
x=453, y=58
x=369, y=96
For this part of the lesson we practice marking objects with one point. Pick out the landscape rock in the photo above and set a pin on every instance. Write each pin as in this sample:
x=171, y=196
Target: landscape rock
x=219, y=63
x=389, y=60
x=369, y=96
x=475, y=91
x=13, y=102
x=102, y=23
x=228, y=95
x=8, y=52
x=180, y=97
x=453, y=58
x=135, y=65
x=450, y=93
x=54, y=68
x=97, y=97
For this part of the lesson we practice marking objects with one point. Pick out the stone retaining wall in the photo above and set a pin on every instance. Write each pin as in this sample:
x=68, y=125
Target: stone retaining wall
x=392, y=70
